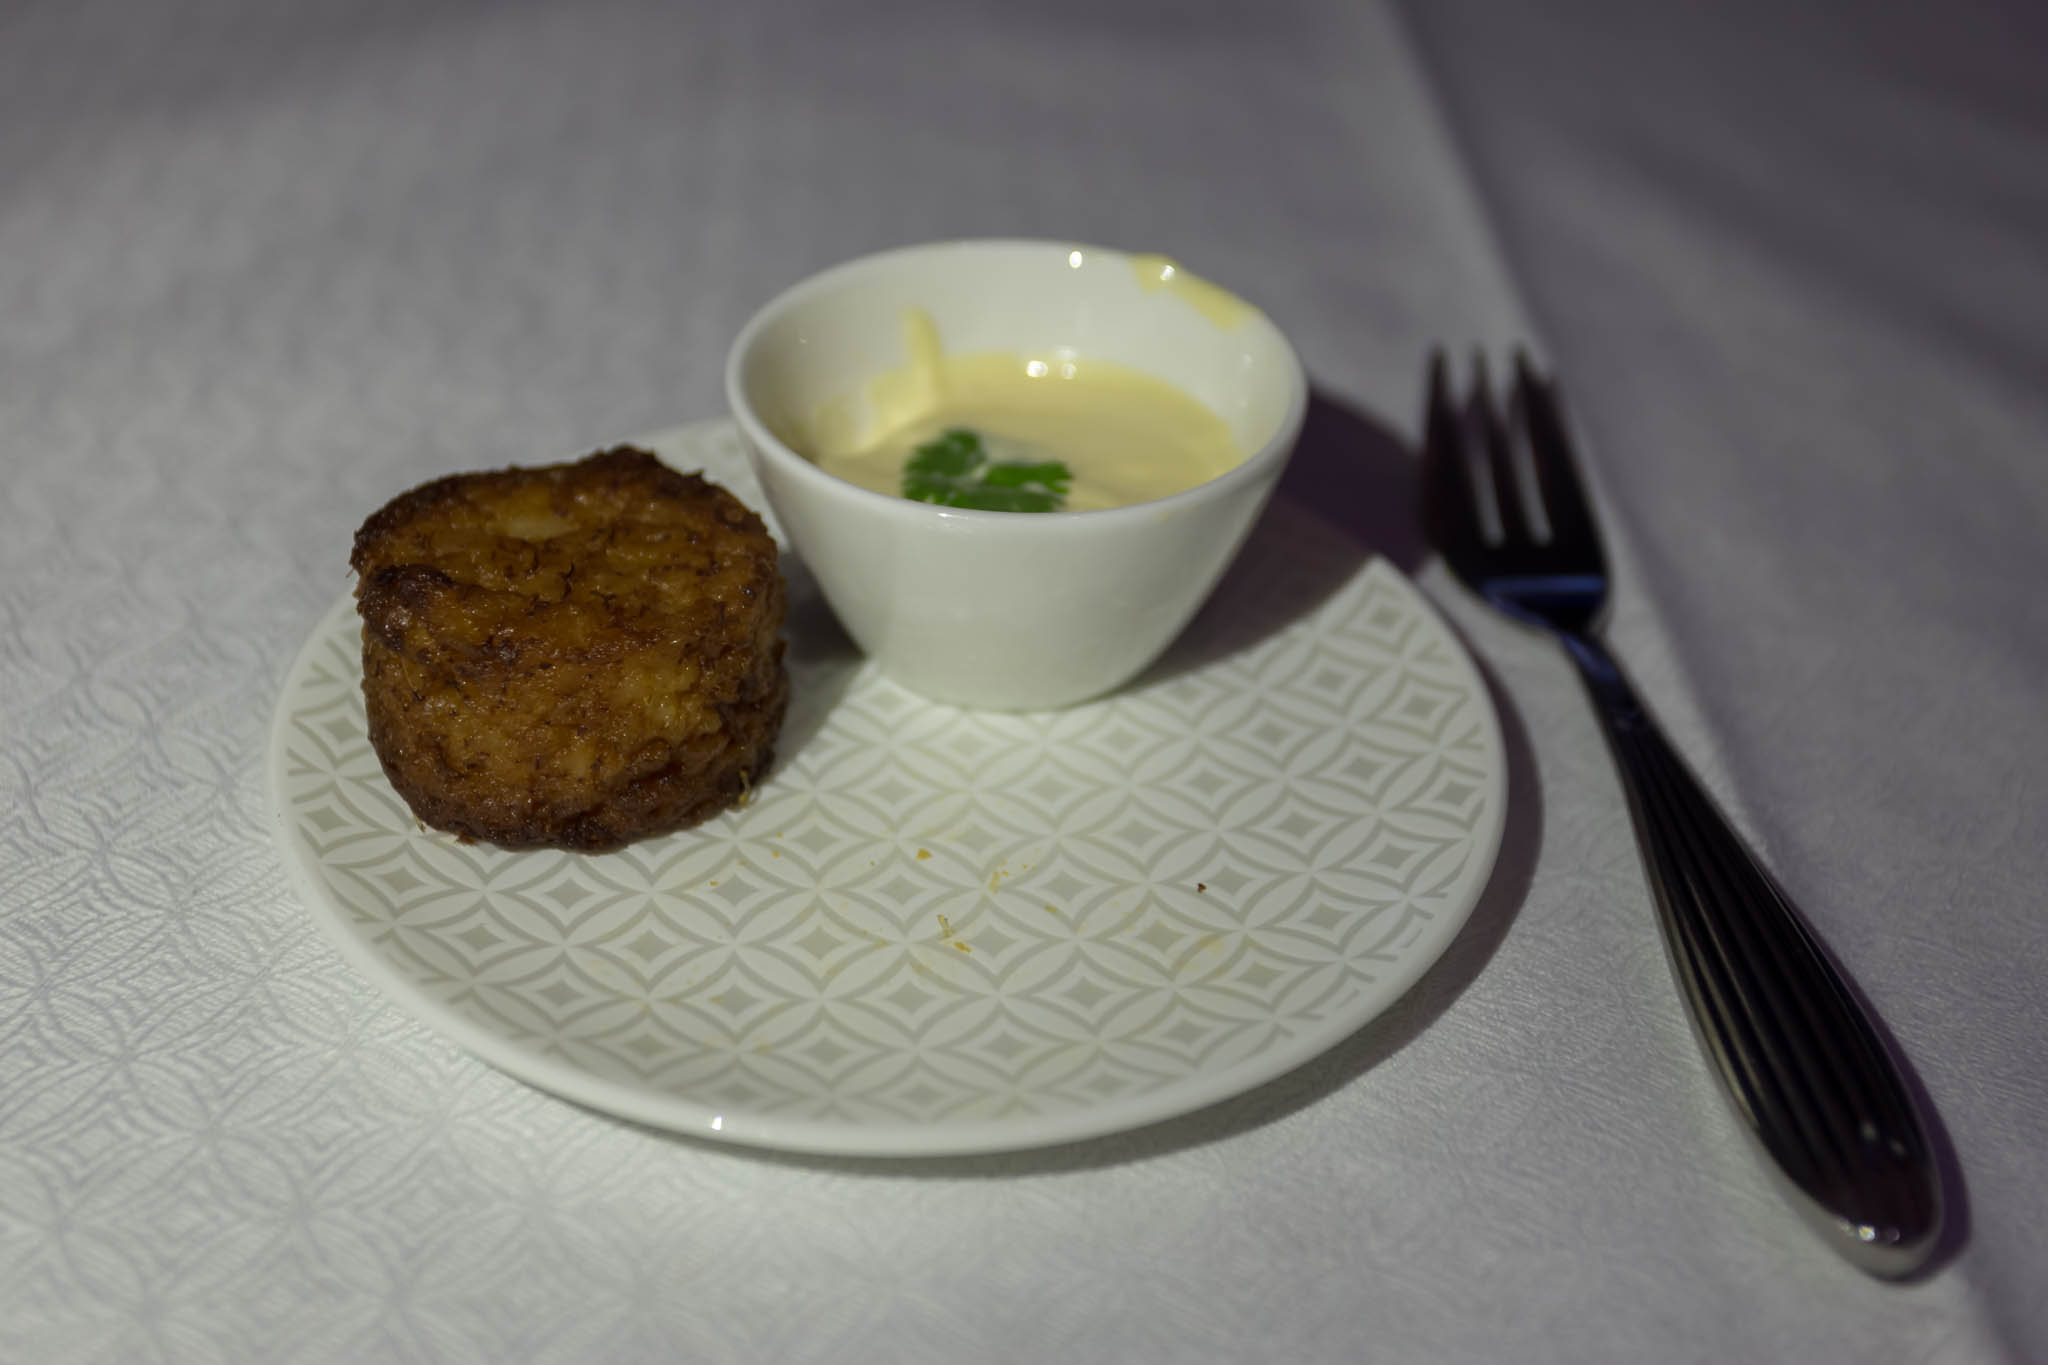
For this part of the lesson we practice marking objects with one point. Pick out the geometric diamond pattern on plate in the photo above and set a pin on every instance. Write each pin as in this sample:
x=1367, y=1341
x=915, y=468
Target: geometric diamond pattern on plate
x=938, y=916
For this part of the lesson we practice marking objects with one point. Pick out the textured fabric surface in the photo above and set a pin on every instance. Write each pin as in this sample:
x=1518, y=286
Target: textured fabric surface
x=1807, y=243
x=262, y=266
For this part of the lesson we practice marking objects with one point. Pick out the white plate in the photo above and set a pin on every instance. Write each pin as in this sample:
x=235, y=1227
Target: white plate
x=936, y=930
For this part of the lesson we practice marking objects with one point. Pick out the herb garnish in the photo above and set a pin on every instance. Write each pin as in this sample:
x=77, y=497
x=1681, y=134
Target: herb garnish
x=955, y=471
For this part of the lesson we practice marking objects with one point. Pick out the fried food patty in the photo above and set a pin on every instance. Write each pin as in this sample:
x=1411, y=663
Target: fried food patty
x=573, y=656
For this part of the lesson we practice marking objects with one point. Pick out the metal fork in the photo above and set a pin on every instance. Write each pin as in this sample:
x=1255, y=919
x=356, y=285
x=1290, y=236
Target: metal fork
x=1793, y=1049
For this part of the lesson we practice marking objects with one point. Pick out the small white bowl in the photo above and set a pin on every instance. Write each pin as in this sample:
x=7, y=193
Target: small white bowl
x=1002, y=610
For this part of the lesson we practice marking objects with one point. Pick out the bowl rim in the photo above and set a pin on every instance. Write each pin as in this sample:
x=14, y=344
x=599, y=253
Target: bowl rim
x=1257, y=467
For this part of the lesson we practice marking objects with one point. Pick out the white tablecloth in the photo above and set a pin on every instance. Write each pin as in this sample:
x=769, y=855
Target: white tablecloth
x=262, y=266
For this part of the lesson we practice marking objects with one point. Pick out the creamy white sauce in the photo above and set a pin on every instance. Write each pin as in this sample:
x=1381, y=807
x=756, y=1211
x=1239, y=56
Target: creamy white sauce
x=1124, y=435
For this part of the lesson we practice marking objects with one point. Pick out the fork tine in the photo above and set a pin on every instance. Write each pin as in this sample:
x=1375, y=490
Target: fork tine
x=1439, y=386
x=1449, y=500
x=1491, y=433
x=1534, y=404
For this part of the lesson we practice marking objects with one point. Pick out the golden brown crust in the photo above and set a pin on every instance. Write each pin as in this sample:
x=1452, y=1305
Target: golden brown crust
x=572, y=656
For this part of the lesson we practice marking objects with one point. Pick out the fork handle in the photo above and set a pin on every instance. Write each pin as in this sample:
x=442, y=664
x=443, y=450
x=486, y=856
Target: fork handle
x=1797, y=1055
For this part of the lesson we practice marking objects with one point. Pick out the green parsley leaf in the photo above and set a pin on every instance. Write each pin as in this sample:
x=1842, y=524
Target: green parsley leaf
x=953, y=456
x=955, y=471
